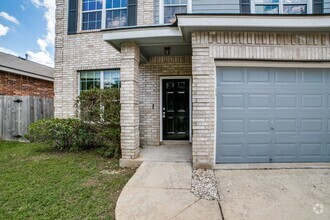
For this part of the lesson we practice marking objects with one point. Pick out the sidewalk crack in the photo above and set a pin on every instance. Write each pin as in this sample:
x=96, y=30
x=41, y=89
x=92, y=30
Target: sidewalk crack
x=216, y=179
x=185, y=208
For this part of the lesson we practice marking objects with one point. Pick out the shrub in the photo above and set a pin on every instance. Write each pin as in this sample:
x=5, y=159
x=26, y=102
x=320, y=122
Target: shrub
x=98, y=127
x=61, y=134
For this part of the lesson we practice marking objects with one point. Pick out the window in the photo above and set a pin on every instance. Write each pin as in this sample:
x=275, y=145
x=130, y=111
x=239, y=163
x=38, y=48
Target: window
x=116, y=13
x=169, y=8
x=280, y=6
x=99, y=79
x=91, y=14
x=97, y=14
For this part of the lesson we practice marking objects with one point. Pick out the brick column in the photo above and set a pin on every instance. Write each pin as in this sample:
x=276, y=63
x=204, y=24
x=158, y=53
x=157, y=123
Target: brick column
x=203, y=105
x=129, y=99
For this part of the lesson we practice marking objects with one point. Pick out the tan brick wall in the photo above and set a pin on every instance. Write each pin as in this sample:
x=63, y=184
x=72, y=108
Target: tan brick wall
x=209, y=46
x=83, y=51
x=149, y=101
x=145, y=11
x=73, y=53
x=129, y=100
x=18, y=85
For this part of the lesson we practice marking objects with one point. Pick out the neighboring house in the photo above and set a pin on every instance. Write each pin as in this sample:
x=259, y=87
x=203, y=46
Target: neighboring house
x=243, y=81
x=26, y=95
x=21, y=77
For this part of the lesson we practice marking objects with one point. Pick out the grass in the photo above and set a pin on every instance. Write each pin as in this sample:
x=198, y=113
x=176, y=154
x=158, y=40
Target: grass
x=37, y=183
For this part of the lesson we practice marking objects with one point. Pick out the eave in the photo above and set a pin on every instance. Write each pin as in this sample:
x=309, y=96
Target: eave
x=152, y=39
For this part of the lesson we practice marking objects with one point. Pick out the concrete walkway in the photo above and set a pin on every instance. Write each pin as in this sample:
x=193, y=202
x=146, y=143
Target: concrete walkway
x=161, y=190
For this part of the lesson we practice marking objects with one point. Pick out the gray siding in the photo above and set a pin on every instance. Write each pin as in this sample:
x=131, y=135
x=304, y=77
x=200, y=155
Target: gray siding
x=326, y=6
x=207, y=6
x=219, y=6
x=216, y=6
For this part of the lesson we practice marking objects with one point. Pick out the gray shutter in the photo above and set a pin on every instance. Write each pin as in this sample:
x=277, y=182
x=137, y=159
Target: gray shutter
x=72, y=17
x=245, y=6
x=132, y=12
x=317, y=6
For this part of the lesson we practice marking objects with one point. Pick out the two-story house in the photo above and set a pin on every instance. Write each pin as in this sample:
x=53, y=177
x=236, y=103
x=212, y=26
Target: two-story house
x=242, y=80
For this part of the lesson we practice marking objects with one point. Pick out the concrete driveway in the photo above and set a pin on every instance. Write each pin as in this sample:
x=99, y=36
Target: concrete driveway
x=274, y=194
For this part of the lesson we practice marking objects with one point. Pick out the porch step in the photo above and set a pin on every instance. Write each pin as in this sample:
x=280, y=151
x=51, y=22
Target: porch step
x=175, y=143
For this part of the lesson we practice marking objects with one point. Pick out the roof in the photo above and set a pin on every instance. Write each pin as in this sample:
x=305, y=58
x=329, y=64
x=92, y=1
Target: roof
x=21, y=66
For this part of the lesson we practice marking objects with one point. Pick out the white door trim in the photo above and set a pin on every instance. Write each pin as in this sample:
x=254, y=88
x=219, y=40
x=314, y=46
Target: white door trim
x=161, y=103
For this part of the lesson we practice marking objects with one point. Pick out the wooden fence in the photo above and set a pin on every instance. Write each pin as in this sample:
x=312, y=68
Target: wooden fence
x=18, y=112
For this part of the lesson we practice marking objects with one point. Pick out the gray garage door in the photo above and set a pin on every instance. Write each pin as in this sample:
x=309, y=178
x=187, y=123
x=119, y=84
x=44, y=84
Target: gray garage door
x=273, y=115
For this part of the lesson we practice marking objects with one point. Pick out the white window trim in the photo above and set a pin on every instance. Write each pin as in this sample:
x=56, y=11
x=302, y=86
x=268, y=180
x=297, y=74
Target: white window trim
x=161, y=9
x=101, y=78
x=103, y=17
x=281, y=3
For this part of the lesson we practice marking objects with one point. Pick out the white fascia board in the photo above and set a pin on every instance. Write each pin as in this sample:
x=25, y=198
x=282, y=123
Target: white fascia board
x=138, y=33
x=23, y=73
x=258, y=22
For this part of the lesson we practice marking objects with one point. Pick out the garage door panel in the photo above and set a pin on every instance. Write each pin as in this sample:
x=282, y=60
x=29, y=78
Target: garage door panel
x=312, y=101
x=230, y=101
x=286, y=76
x=285, y=150
x=259, y=126
x=232, y=76
x=285, y=101
x=258, y=150
x=312, y=76
x=232, y=126
x=311, y=149
x=285, y=125
x=235, y=150
x=311, y=125
x=273, y=115
x=259, y=101
x=258, y=75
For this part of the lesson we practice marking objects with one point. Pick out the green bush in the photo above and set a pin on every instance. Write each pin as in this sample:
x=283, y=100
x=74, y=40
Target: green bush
x=98, y=127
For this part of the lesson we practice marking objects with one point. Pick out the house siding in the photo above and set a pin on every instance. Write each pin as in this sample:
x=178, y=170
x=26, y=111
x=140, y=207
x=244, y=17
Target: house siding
x=216, y=6
x=209, y=46
x=149, y=98
x=17, y=85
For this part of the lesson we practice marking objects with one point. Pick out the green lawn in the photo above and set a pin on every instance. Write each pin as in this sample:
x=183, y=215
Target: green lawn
x=36, y=183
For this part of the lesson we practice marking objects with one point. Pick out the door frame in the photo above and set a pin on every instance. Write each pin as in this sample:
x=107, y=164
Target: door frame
x=161, y=103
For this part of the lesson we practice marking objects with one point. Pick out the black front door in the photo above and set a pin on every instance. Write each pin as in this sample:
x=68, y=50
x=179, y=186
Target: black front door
x=175, y=109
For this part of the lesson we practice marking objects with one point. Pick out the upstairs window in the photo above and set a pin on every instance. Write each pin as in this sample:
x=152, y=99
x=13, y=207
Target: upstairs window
x=169, y=8
x=116, y=13
x=91, y=14
x=280, y=6
x=173, y=7
x=97, y=14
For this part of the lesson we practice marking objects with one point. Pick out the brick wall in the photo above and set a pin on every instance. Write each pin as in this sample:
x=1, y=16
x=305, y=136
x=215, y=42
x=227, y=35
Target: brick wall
x=149, y=101
x=73, y=53
x=18, y=85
